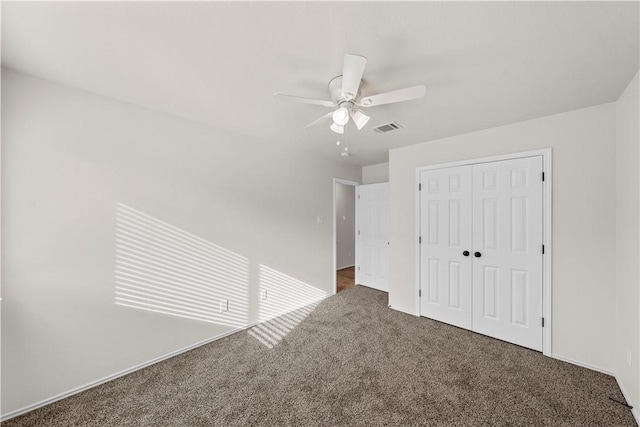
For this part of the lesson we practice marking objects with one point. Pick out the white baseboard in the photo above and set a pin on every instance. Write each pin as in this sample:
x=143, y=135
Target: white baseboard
x=634, y=411
x=12, y=414
x=583, y=364
x=346, y=266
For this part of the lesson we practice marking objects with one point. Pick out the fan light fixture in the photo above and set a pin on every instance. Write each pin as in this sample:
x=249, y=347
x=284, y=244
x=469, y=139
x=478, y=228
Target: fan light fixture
x=341, y=116
x=337, y=128
x=359, y=118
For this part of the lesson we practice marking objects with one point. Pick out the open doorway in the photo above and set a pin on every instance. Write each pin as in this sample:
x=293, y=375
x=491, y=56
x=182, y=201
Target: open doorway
x=344, y=233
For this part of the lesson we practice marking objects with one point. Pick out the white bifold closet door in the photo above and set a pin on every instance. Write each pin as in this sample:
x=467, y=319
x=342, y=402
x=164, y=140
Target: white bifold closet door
x=481, y=249
x=372, y=204
x=445, y=207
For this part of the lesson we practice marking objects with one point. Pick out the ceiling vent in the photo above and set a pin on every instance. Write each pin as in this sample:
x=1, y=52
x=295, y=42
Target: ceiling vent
x=387, y=127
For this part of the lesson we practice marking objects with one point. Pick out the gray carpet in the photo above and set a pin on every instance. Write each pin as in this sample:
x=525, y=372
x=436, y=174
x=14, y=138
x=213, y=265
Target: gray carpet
x=350, y=362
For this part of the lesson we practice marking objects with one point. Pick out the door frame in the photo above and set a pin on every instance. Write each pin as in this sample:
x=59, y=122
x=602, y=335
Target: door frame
x=335, y=228
x=547, y=169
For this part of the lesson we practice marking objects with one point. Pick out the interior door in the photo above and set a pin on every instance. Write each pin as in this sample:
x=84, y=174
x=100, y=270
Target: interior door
x=445, y=234
x=373, y=236
x=507, y=245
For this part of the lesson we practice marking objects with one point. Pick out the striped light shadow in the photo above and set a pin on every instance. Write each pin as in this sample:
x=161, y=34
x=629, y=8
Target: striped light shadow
x=285, y=294
x=271, y=332
x=163, y=269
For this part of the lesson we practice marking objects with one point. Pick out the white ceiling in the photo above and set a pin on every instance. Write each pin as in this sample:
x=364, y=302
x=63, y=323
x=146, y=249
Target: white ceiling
x=484, y=64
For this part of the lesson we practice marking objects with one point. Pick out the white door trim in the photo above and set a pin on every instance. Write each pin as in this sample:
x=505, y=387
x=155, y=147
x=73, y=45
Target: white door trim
x=547, y=169
x=335, y=229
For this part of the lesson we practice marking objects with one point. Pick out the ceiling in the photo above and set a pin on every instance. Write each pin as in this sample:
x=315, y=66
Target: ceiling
x=484, y=64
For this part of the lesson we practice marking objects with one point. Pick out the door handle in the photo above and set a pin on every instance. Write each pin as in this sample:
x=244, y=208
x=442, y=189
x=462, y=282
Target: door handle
x=477, y=254
x=465, y=253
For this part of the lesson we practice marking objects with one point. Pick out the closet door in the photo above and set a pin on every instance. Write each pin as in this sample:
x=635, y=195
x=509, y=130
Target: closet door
x=373, y=236
x=445, y=270
x=507, y=246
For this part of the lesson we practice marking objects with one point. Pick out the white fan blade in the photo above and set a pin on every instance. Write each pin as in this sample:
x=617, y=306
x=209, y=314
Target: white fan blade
x=406, y=94
x=359, y=118
x=336, y=128
x=352, y=72
x=305, y=100
x=321, y=119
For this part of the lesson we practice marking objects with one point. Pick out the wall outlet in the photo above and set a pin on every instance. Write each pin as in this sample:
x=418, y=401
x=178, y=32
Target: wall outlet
x=263, y=294
x=319, y=220
x=224, y=305
x=629, y=358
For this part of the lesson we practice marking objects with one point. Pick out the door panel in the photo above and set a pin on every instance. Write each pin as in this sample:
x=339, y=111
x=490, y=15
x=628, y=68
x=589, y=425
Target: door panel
x=507, y=232
x=373, y=236
x=445, y=277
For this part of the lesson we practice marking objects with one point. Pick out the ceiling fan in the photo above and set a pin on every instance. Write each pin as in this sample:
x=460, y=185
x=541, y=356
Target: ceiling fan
x=345, y=94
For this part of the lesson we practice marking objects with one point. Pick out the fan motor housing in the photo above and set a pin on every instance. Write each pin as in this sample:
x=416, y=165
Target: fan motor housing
x=335, y=91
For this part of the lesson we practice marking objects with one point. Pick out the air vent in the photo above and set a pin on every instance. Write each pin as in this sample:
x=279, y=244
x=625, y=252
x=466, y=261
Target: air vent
x=387, y=127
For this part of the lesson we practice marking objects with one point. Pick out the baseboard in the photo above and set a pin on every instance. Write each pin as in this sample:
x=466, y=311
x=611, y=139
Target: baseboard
x=634, y=411
x=346, y=266
x=583, y=364
x=7, y=416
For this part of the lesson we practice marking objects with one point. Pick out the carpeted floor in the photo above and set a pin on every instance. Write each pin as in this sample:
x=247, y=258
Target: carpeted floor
x=351, y=362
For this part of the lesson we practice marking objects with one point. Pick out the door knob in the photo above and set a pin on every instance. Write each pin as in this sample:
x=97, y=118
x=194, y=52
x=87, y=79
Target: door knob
x=465, y=253
x=477, y=254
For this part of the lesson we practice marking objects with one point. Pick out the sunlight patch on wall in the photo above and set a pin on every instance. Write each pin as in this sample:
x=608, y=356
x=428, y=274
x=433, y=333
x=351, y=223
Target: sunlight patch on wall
x=271, y=332
x=163, y=269
x=280, y=294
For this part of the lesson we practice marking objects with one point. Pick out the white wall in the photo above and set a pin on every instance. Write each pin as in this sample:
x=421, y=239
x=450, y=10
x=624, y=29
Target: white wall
x=375, y=174
x=628, y=243
x=584, y=160
x=73, y=164
x=345, y=225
